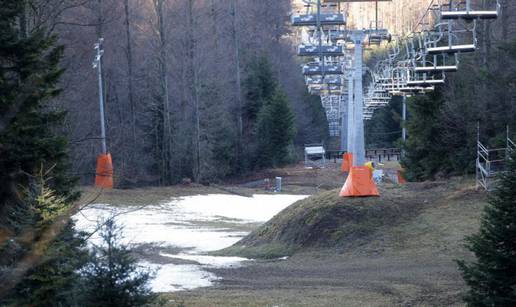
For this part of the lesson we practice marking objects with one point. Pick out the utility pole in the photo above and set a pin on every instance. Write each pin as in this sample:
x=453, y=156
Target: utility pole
x=97, y=63
x=104, y=171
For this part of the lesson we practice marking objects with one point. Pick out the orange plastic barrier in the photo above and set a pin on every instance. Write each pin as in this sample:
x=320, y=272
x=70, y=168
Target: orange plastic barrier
x=401, y=178
x=104, y=176
x=359, y=183
x=347, y=162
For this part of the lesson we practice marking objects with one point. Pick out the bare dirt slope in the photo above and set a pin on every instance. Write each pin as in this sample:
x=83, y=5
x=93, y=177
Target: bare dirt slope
x=396, y=250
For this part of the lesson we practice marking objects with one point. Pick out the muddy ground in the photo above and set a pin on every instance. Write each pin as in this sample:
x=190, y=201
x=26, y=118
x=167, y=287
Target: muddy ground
x=296, y=180
x=411, y=263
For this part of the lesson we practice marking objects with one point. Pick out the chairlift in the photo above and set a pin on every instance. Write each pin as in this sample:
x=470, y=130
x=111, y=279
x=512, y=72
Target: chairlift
x=368, y=112
x=380, y=99
x=325, y=87
x=325, y=50
x=423, y=63
x=380, y=90
x=307, y=20
x=338, y=35
x=328, y=80
x=411, y=90
x=433, y=46
x=438, y=63
x=314, y=91
x=316, y=69
x=377, y=36
x=462, y=9
x=376, y=103
x=424, y=80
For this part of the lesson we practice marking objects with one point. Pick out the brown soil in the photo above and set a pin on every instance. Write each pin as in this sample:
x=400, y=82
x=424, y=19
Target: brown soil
x=296, y=180
x=406, y=258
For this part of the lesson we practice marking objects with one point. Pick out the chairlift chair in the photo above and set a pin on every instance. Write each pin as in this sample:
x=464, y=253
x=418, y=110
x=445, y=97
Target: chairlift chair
x=338, y=35
x=376, y=103
x=424, y=80
x=380, y=99
x=319, y=80
x=423, y=63
x=368, y=112
x=435, y=46
x=411, y=90
x=306, y=20
x=462, y=9
x=437, y=63
x=325, y=50
x=316, y=69
x=377, y=36
x=321, y=88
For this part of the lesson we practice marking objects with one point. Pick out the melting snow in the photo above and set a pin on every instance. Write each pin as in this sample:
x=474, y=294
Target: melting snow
x=184, y=223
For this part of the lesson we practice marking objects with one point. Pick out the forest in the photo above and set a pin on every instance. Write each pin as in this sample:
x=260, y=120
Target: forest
x=184, y=82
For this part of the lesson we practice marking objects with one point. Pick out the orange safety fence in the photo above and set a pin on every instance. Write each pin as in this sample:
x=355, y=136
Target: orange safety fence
x=104, y=175
x=359, y=183
x=347, y=162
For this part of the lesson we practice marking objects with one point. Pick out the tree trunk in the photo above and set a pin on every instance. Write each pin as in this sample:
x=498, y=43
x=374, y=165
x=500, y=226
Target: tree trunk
x=195, y=92
x=238, y=85
x=166, y=154
x=130, y=70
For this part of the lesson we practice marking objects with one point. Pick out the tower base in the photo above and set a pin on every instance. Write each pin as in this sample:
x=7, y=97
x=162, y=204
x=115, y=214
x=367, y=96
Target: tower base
x=104, y=174
x=359, y=183
x=347, y=162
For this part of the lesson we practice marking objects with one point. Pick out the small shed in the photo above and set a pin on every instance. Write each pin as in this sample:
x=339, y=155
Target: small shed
x=314, y=152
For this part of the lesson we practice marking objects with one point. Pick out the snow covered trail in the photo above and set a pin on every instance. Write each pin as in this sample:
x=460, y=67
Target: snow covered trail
x=191, y=227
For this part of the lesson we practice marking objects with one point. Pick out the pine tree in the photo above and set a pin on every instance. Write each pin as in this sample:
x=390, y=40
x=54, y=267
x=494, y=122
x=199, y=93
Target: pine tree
x=492, y=277
x=384, y=129
x=29, y=75
x=315, y=129
x=56, y=280
x=112, y=276
x=425, y=155
x=260, y=85
x=275, y=131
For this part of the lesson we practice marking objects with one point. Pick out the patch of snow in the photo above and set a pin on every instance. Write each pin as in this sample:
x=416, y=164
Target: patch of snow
x=171, y=277
x=259, y=208
x=210, y=261
x=150, y=226
x=181, y=222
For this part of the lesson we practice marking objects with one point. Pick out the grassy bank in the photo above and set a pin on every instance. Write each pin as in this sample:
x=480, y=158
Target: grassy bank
x=395, y=250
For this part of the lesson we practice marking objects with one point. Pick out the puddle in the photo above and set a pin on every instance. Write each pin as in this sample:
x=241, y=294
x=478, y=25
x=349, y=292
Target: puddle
x=192, y=226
